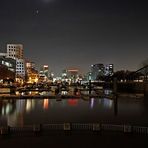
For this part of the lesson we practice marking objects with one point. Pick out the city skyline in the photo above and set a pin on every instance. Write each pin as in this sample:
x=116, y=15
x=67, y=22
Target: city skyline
x=77, y=33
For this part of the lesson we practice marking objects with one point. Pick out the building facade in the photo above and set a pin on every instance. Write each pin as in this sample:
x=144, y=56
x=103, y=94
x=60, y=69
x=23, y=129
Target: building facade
x=31, y=72
x=20, y=68
x=109, y=70
x=97, y=70
x=101, y=70
x=7, y=69
x=9, y=63
x=6, y=74
x=15, y=51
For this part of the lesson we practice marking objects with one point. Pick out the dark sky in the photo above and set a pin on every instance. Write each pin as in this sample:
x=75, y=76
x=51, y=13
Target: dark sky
x=77, y=33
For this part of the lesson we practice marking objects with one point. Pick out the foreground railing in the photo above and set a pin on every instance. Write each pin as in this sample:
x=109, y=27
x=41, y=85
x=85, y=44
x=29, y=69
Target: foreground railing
x=91, y=127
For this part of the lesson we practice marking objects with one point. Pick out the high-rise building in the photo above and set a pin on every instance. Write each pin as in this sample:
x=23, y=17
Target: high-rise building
x=64, y=74
x=10, y=63
x=73, y=74
x=109, y=70
x=15, y=51
x=97, y=70
x=30, y=64
x=7, y=68
x=20, y=67
x=31, y=73
x=44, y=74
x=46, y=70
x=6, y=74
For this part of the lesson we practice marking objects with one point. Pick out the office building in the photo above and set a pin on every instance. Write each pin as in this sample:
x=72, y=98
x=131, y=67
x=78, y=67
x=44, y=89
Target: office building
x=109, y=70
x=31, y=72
x=15, y=51
x=97, y=70
x=101, y=70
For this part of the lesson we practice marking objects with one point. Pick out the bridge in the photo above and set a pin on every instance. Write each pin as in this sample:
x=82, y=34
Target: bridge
x=141, y=73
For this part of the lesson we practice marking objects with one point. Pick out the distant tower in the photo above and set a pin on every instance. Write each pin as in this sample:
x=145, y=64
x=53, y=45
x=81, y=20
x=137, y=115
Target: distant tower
x=97, y=70
x=109, y=70
x=44, y=74
x=73, y=74
x=46, y=70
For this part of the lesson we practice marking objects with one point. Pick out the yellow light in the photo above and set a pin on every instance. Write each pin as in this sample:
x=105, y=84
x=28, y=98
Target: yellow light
x=36, y=80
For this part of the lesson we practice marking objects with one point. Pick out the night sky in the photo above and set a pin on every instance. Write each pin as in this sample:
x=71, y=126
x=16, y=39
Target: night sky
x=77, y=33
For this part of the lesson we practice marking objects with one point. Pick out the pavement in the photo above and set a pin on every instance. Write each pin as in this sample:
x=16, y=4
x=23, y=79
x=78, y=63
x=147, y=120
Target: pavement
x=75, y=140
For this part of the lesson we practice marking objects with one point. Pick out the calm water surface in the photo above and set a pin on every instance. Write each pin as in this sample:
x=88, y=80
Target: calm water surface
x=42, y=111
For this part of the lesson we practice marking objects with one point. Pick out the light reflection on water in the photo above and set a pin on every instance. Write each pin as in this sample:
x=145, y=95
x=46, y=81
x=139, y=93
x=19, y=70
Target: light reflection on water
x=35, y=111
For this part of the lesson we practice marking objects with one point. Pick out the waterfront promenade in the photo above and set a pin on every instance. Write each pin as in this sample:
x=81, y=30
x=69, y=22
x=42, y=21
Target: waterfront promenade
x=84, y=140
x=75, y=135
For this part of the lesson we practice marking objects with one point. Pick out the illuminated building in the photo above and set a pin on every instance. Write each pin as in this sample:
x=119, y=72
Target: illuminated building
x=88, y=76
x=45, y=70
x=44, y=74
x=20, y=67
x=15, y=51
x=97, y=70
x=31, y=72
x=51, y=76
x=109, y=70
x=65, y=75
x=73, y=74
x=7, y=68
x=30, y=64
x=10, y=63
x=6, y=74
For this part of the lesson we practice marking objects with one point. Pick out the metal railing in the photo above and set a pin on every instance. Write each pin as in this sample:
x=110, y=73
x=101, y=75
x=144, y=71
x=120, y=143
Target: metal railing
x=92, y=127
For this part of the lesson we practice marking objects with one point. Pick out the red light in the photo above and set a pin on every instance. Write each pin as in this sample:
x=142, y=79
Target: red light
x=72, y=102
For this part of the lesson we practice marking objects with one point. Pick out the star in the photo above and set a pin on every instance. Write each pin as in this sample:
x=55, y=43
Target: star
x=37, y=11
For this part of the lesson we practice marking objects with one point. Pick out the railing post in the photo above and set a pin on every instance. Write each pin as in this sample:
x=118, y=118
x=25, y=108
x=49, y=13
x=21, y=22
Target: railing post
x=37, y=129
x=127, y=129
x=90, y=89
x=5, y=130
x=67, y=127
x=115, y=86
x=96, y=127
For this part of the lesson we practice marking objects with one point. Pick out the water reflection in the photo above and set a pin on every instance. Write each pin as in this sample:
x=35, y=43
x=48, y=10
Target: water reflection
x=92, y=103
x=107, y=103
x=45, y=103
x=7, y=107
x=31, y=111
x=30, y=104
x=72, y=102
